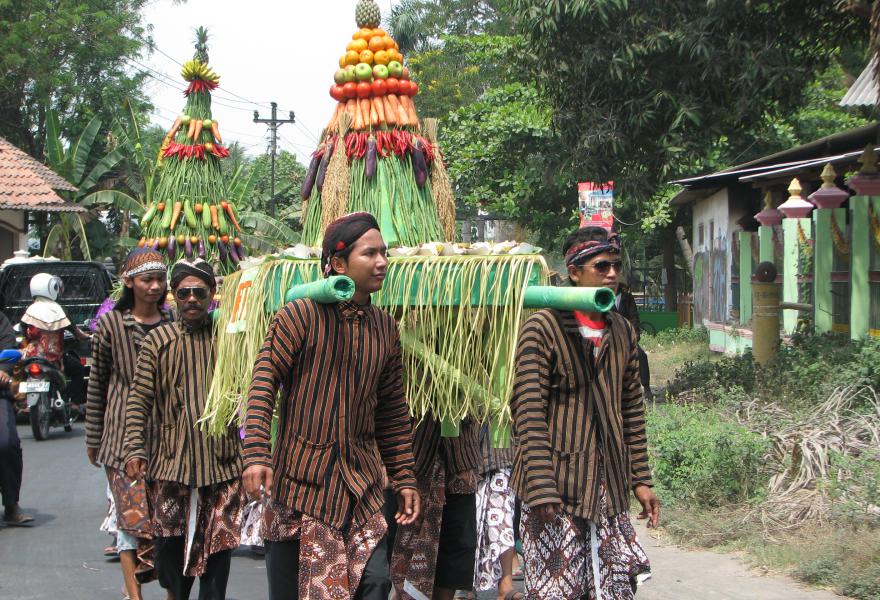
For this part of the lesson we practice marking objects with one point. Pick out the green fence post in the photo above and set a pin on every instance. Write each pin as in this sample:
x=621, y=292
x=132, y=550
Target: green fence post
x=827, y=199
x=866, y=183
x=745, y=277
x=794, y=209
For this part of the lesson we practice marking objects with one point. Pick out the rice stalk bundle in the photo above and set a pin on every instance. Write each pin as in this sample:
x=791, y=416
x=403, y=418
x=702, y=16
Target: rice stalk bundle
x=337, y=185
x=440, y=184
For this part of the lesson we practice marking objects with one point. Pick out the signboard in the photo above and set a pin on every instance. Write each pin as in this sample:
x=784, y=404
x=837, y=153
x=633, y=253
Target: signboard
x=596, y=204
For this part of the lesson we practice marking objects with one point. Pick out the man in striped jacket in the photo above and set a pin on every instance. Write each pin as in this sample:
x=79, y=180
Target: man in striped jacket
x=343, y=423
x=580, y=424
x=195, y=486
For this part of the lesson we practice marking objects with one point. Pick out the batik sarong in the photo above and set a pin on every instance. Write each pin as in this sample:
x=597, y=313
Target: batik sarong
x=331, y=563
x=209, y=517
x=572, y=558
x=133, y=518
x=495, y=508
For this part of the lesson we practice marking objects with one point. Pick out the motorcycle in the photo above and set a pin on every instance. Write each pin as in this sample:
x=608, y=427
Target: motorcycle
x=50, y=394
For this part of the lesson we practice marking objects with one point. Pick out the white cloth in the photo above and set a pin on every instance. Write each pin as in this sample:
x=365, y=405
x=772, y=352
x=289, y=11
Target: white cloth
x=46, y=315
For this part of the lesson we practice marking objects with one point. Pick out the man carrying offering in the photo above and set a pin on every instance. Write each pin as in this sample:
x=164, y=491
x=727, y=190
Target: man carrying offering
x=342, y=417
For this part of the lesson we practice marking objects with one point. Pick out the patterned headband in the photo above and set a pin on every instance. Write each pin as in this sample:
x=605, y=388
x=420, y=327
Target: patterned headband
x=147, y=267
x=579, y=254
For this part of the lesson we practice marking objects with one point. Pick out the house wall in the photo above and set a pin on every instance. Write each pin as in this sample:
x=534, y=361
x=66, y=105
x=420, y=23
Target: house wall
x=12, y=223
x=712, y=231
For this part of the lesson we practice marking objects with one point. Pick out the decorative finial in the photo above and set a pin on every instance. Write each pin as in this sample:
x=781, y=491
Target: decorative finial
x=868, y=160
x=795, y=189
x=768, y=200
x=828, y=177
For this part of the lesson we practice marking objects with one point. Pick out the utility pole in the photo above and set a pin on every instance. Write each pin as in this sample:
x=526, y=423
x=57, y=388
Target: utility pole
x=274, y=123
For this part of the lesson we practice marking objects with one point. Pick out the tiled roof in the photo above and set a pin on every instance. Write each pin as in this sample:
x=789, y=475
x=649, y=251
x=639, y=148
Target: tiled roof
x=26, y=184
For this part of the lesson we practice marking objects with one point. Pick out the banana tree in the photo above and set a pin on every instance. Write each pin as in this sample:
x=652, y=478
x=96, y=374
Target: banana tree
x=71, y=162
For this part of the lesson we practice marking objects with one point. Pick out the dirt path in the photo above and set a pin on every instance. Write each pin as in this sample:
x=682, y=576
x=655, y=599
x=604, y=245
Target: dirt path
x=701, y=575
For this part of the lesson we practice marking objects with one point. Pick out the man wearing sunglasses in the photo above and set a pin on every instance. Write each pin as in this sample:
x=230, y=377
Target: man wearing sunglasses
x=194, y=479
x=580, y=426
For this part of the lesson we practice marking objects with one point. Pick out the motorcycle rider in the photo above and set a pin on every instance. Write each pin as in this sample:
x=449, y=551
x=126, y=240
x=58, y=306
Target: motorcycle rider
x=46, y=321
x=10, y=446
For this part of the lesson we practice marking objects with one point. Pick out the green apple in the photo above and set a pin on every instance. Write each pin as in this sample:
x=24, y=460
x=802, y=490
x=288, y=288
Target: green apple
x=380, y=72
x=339, y=77
x=348, y=71
x=363, y=71
x=395, y=69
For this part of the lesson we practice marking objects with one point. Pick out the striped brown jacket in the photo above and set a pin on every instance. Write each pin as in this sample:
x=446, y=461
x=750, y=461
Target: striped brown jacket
x=342, y=413
x=577, y=416
x=115, y=348
x=459, y=454
x=174, y=371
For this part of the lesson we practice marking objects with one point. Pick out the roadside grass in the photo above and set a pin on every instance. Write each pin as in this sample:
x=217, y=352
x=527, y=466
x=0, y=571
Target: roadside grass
x=669, y=350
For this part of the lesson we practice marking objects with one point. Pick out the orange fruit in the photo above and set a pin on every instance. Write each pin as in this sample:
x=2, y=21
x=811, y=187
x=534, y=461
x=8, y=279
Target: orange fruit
x=379, y=31
x=381, y=57
x=377, y=43
x=366, y=57
x=390, y=43
x=363, y=34
x=342, y=62
x=358, y=45
x=395, y=55
x=352, y=57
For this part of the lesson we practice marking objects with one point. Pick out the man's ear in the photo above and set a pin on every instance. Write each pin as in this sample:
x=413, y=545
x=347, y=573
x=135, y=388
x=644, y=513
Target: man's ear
x=574, y=273
x=338, y=264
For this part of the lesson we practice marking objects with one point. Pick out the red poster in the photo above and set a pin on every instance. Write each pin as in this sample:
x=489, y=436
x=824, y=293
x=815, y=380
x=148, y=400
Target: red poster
x=596, y=204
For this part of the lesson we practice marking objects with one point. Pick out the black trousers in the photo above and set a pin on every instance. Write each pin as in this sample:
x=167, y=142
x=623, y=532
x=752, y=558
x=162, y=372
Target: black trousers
x=11, y=464
x=169, y=569
x=282, y=569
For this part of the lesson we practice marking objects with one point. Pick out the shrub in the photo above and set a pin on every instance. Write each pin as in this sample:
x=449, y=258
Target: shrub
x=671, y=337
x=700, y=456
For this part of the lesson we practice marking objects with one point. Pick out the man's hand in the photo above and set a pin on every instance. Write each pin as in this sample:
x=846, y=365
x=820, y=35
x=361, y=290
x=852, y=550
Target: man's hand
x=547, y=512
x=136, y=468
x=255, y=476
x=409, y=506
x=92, y=453
x=650, y=504
x=5, y=380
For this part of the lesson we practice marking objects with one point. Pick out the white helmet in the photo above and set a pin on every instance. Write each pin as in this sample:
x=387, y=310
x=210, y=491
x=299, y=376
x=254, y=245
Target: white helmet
x=45, y=285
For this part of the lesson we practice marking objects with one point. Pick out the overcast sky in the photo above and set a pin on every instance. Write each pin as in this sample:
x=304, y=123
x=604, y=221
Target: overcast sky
x=264, y=51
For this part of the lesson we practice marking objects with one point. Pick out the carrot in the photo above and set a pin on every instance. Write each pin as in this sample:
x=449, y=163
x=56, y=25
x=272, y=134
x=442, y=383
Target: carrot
x=365, y=112
x=411, y=110
x=198, y=130
x=374, y=116
x=215, y=131
x=402, y=117
x=175, y=214
x=379, y=107
x=390, y=113
x=174, y=129
x=228, y=208
x=191, y=129
x=350, y=108
x=334, y=120
x=358, y=122
x=215, y=220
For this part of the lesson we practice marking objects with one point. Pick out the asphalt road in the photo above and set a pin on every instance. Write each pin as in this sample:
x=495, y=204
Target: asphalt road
x=61, y=555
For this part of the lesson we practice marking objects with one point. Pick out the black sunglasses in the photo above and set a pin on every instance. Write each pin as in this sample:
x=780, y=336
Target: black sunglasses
x=603, y=266
x=199, y=292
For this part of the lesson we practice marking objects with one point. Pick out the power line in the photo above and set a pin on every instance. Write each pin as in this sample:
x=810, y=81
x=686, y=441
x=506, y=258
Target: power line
x=274, y=123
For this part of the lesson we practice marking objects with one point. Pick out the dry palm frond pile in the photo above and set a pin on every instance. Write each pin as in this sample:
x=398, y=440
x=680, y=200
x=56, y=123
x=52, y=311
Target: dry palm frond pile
x=803, y=451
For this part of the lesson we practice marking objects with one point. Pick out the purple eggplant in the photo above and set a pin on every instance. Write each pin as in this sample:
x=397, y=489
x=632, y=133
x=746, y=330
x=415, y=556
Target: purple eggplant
x=233, y=255
x=370, y=163
x=156, y=244
x=188, y=249
x=311, y=174
x=420, y=166
x=172, y=247
x=322, y=169
x=222, y=248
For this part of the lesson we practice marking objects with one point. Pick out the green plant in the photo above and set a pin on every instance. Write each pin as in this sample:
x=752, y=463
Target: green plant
x=855, y=488
x=671, y=337
x=701, y=456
